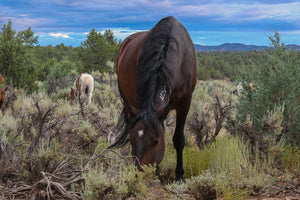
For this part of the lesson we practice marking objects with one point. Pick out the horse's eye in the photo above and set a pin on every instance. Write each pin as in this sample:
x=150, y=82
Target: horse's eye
x=155, y=142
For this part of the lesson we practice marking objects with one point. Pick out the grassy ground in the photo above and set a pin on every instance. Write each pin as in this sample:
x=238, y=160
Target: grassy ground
x=51, y=150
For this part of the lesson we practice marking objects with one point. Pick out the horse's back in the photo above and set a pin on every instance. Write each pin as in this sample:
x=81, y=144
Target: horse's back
x=182, y=58
x=129, y=53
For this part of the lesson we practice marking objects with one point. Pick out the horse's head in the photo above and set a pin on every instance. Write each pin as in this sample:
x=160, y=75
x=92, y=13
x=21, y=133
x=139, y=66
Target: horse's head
x=73, y=95
x=148, y=144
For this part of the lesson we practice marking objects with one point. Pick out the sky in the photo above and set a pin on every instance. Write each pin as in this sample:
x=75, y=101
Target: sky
x=209, y=22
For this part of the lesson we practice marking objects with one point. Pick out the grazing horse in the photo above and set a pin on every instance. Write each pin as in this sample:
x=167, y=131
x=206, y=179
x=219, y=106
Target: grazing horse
x=82, y=89
x=2, y=90
x=156, y=73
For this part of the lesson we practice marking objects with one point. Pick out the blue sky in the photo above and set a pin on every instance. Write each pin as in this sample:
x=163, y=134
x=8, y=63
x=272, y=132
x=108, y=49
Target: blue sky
x=209, y=22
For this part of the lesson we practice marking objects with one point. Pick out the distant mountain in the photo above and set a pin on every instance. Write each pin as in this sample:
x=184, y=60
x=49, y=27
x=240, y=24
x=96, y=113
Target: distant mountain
x=237, y=47
x=294, y=46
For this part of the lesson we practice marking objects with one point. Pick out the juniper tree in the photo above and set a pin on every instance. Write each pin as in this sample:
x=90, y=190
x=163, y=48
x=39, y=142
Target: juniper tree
x=271, y=112
x=15, y=58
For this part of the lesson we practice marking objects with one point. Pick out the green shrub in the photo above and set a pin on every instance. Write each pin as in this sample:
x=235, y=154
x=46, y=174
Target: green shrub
x=179, y=191
x=200, y=187
x=211, y=103
x=8, y=128
x=11, y=144
x=229, y=188
x=63, y=94
x=104, y=95
x=195, y=160
x=86, y=131
x=65, y=109
x=227, y=154
x=222, y=168
x=122, y=182
x=271, y=112
x=46, y=160
x=99, y=186
x=230, y=155
x=290, y=158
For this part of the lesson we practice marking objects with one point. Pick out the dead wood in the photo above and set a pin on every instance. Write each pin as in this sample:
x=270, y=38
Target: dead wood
x=50, y=187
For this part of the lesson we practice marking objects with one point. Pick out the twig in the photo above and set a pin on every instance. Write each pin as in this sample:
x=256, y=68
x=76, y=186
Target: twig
x=48, y=189
x=59, y=188
x=96, y=156
x=80, y=179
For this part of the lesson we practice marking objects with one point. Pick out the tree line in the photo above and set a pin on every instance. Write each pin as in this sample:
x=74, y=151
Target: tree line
x=275, y=71
x=23, y=62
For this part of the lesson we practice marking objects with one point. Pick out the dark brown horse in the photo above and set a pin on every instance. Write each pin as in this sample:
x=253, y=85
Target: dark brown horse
x=2, y=90
x=156, y=73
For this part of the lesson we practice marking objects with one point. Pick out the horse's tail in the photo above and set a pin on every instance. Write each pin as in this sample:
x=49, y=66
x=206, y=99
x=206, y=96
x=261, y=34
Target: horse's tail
x=86, y=89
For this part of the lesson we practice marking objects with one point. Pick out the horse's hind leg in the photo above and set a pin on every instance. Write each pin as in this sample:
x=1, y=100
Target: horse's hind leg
x=178, y=138
x=89, y=98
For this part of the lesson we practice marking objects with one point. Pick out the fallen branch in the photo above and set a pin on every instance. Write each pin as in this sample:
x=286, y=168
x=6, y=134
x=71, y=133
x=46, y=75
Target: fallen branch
x=48, y=189
x=48, y=185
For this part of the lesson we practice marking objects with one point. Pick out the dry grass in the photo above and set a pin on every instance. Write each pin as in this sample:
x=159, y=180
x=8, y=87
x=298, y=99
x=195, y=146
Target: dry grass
x=50, y=149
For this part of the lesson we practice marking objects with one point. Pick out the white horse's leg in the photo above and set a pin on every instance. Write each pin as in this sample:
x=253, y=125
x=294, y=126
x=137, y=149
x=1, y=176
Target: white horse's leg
x=89, y=98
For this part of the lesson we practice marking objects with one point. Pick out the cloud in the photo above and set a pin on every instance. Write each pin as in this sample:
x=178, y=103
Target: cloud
x=225, y=10
x=122, y=33
x=66, y=20
x=65, y=14
x=75, y=39
x=69, y=38
x=291, y=32
x=62, y=35
x=22, y=23
x=220, y=10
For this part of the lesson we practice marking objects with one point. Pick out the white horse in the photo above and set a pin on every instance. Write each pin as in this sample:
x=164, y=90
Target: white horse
x=82, y=89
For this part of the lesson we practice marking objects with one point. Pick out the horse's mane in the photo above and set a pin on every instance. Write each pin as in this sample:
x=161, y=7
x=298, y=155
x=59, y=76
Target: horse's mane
x=77, y=83
x=152, y=70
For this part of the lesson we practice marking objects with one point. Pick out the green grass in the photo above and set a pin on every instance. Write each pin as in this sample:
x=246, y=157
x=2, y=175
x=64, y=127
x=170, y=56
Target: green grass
x=226, y=164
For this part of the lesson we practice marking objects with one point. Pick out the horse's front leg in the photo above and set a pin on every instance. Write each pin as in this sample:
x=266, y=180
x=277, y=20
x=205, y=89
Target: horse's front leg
x=178, y=138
